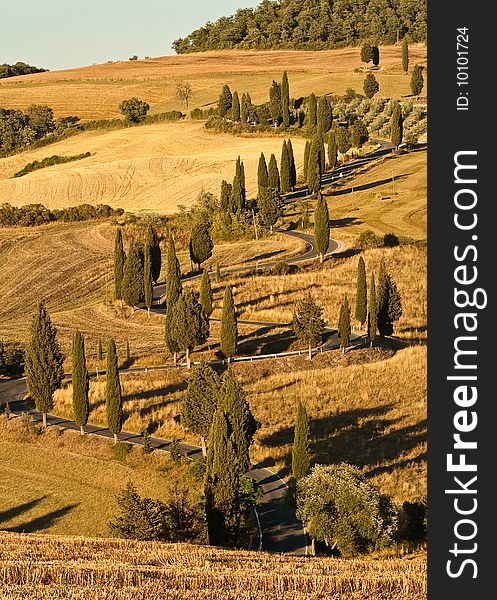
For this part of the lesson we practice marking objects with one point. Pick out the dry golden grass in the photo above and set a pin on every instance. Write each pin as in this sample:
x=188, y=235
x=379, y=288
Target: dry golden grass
x=154, y=168
x=96, y=91
x=61, y=483
x=43, y=567
x=70, y=268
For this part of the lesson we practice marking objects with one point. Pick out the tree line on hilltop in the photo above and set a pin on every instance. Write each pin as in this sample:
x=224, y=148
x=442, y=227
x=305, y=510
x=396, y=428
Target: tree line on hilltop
x=310, y=25
x=18, y=68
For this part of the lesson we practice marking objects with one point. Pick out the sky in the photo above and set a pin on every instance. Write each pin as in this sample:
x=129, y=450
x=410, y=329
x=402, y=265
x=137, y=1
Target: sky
x=61, y=34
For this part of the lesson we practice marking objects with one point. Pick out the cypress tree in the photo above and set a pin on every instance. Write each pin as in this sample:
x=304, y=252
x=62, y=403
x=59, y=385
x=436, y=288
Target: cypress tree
x=396, y=131
x=293, y=168
x=173, y=291
x=189, y=325
x=114, y=402
x=100, y=354
x=152, y=240
x=375, y=51
x=200, y=244
x=307, y=152
x=243, y=109
x=300, y=451
x=285, y=100
x=236, y=203
x=372, y=312
x=225, y=200
x=324, y=114
x=80, y=382
x=332, y=151
x=275, y=102
x=311, y=120
x=322, y=152
x=361, y=303
x=132, y=287
x=235, y=107
x=128, y=352
x=148, y=283
x=270, y=207
x=405, y=56
x=225, y=101
x=366, y=53
x=321, y=227
x=205, y=297
x=314, y=166
x=343, y=139
x=273, y=173
x=308, y=323
x=200, y=401
x=262, y=175
x=417, y=80
x=370, y=86
x=344, y=328
x=229, y=325
x=241, y=423
x=119, y=260
x=43, y=361
x=285, y=174
x=388, y=302
x=240, y=174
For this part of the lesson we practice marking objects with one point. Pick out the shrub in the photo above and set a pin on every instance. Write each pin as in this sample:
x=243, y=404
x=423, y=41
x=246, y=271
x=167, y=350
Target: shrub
x=412, y=520
x=368, y=239
x=11, y=358
x=390, y=240
x=121, y=450
x=48, y=162
x=134, y=110
x=36, y=214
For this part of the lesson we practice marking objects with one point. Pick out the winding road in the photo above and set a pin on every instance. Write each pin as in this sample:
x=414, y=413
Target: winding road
x=280, y=530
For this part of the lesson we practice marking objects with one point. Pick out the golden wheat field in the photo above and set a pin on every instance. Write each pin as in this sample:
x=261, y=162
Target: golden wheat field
x=154, y=168
x=95, y=92
x=48, y=567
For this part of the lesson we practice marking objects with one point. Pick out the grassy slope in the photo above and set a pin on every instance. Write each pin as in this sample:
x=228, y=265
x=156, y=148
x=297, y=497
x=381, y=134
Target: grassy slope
x=96, y=91
x=53, y=483
x=47, y=567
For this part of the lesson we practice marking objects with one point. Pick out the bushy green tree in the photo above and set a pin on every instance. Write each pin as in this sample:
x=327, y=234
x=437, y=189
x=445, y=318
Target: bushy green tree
x=201, y=244
x=366, y=53
x=229, y=325
x=119, y=260
x=342, y=508
x=205, y=294
x=189, y=325
x=359, y=133
x=134, y=110
x=273, y=173
x=361, y=302
x=343, y=139
x=113, y=396
x=370, y=86
x=300, y=450
x=44, y=358
x=321, y=226
x=225, y=101
x=417, y=80
x=344, y=328
x=80, y=382
x=200, y=401
x=285, y=171
x=285, y=100
x=270, y=207
x=396, y=125
x=132, y=287
x=308, y=323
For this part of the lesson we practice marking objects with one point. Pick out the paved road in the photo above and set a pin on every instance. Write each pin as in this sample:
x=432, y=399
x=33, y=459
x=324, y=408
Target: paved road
x=281, y=530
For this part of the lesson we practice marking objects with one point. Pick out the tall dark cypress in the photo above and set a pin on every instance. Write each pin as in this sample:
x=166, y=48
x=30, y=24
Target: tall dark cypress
x=344, y=328
x=201, y=243
x=229, y=325
x=389, y=302
x=173, y=291
x=152, y=240
x=243, y=109
x=262, y=175
x=225, y=200
x=293, y=168
x=396, y=131
x=114, y=402
x=321, y=226
x=372, y=312
x=417, y=80
x=190, y=326
x=285, y=172
x=225, y=101
x=285, y=100
x=119, y=260
x=205, y=297
x=273, y=174
x=314, y=165
x=80, y=382
x=43, y=361
x=300, y=451
x=405, y=56
x=361, y=303
x=332, y=150
x=311, y=119
x=240, y=174
x=148, y=283
x=236, y=203
x=307, y=152
x=132, y=287
x=235, y=108
x=324, y=114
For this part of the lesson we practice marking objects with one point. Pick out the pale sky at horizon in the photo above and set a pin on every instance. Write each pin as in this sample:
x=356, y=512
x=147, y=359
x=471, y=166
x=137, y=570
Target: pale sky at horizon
x=61, y=34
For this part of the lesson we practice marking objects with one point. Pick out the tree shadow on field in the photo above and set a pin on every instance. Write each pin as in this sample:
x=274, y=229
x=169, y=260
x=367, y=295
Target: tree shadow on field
x=15, y=511
x=157, y=392
x=274, y=297
x=43, y=522
x=270, y=344
x=369, y=186
x=345, y=222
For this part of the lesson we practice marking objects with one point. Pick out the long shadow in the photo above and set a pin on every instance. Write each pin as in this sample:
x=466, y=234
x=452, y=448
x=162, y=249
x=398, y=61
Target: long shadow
x=367, y=186
x=349, y=253
x=15, y=511
x=163, y=391
x=274, y=296
x=345, y=222
x=271, y=344
x=43, y=522
x=398, y=465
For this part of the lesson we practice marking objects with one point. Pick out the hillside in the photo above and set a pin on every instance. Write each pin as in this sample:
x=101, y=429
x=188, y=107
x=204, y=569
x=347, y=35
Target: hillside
x=95, y=92
x=48, y=567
